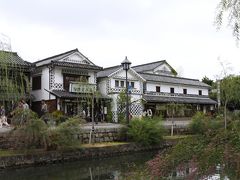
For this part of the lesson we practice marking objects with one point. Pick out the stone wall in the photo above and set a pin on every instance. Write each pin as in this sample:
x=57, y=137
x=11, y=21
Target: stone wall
x=52, y=157
x=100, y=135
x=8, y=141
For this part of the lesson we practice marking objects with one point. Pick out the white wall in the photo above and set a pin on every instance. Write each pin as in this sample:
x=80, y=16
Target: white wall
x=177, y=88
x=42, y=94
x=91, y=79
x=58, y=75
x=102, y=86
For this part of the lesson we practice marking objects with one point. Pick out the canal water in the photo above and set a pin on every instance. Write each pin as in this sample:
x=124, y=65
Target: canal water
x=113, y=168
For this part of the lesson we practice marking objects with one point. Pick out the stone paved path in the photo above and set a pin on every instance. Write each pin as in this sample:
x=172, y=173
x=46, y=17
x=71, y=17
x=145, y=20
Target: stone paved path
x=166, y=124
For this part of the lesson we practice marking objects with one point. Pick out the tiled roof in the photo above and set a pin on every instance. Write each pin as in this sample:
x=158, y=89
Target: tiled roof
x=75, y=65
x=107, y=71
x=148, y=66
x=69, y=95
x=61, y=56
x=192, y=100
x=12, y=59
x=172, y=80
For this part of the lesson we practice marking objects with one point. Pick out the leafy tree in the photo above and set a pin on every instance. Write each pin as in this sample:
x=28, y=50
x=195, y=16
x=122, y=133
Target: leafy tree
x=208, y=81
x=121, y=102
x=231, y=9
x=229, y=91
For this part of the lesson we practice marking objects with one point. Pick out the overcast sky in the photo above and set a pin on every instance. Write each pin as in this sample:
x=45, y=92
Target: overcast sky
x=181, y=32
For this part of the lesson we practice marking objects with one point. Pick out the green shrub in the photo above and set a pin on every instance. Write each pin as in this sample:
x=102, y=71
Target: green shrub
x=63, y=135
x=20, y=116
x=58, y=117
x=145, y=131
x=31, y=135
x=201, y=123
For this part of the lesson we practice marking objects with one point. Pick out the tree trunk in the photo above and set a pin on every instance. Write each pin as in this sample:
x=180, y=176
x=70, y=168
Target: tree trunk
x=225, y=115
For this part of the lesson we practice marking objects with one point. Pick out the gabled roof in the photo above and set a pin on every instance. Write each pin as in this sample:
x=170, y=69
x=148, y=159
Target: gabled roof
x=173, y=80
x=148, y=66
x=107, y=71
x=56, y=59
x=12, y=59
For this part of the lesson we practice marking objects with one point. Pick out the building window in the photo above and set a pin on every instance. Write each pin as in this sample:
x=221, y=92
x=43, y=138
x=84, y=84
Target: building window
x=132, y=84
x=116, y=83
x=184, y=91
x=200, y=92
x=122, y=83
x=157, y=88
x=67, y=78
x=171, y=90
x=36, y=83
x=144, y=87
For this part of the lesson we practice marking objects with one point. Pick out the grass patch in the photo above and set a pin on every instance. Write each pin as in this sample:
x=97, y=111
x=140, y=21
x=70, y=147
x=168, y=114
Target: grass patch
x=4, y=153
x=175, y=137
x=107, y=144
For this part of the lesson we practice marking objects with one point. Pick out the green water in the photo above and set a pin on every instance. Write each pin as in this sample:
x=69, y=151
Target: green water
x=113, y=168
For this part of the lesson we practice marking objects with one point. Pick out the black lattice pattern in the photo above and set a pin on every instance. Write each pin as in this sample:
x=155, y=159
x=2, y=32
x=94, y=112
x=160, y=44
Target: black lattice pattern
x=52, y=76
x=136, y=109
x=57, y=86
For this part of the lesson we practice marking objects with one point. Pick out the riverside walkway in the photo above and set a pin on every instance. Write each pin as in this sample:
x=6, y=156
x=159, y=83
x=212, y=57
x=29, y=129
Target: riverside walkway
x=178, y=123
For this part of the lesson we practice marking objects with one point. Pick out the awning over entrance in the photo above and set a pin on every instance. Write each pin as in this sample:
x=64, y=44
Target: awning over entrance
x=179, y=99
x=70, y=95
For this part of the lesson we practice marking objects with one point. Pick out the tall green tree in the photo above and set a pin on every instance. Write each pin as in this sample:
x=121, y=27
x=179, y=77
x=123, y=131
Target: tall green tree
x=229, y=91
x=230, y=9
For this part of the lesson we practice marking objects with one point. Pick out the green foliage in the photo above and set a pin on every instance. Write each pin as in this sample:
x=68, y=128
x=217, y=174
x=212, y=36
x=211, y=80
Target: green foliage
x=32, y=134
x=230, y=9
x=208, y=81
x=211, y=147
x=57, y=116
x=63, y=135
x=145, y=131
x=201, y=123
x=21, y=117
x=121, y=102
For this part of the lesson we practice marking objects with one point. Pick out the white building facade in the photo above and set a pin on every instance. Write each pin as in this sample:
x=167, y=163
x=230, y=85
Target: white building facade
x=65, y=81
x=155, y=84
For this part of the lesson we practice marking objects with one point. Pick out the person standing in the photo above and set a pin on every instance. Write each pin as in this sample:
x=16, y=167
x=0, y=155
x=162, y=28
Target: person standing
x=3, y=118
x=25, y=105
x=44, y=110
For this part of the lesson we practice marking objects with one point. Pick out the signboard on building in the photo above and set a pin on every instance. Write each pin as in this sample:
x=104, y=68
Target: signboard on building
x=77, y=87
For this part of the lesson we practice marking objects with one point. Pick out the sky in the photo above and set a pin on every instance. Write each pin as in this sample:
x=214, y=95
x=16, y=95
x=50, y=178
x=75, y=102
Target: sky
x=181, y=32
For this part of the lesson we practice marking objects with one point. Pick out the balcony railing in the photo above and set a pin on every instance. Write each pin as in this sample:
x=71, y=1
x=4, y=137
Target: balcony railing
x=78, y=87
x=121, y=89
x=172, y=94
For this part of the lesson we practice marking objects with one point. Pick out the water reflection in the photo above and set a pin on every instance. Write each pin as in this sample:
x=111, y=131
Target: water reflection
x=113, y=168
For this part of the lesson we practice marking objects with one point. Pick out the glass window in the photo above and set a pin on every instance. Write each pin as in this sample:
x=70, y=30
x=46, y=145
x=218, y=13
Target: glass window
x=157, y=88
x=116, y=83
x=200, y=92
x=184, y=91
x=171, y=90
x=132, y=84
x=36, y=83
x=122, y=83
x=74, y=78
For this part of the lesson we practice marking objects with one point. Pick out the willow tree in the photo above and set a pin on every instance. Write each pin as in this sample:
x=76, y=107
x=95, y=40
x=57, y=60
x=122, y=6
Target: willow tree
x=229, y=91
x=231, y=10
x=14, y=82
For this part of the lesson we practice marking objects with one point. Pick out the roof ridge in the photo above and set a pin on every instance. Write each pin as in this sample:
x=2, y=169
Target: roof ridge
x=170, y=76
x=76, y=49
x=111, y=67
x=149, y=63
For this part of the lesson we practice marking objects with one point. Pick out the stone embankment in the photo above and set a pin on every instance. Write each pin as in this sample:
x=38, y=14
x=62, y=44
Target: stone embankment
x=52, y=157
